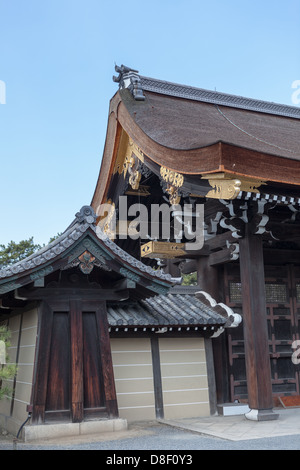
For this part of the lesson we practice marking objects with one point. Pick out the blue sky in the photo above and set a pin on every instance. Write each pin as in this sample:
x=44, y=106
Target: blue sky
x=57, y=61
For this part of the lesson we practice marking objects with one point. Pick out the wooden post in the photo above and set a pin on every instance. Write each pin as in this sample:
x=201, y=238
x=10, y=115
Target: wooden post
x=107, y=364
x=76, y=362
x=208, y=280
x=157, y=381
x=258, y=367
x=39, y=392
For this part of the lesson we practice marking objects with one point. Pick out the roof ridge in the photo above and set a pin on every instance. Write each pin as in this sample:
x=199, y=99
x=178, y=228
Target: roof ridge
x=84, y=219
x=216, y=97
x=130, y=78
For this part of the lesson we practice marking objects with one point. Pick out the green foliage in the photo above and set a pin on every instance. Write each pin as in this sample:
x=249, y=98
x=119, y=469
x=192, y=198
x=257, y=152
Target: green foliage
x=7, y=370
x=189, y=279
x=14, y=252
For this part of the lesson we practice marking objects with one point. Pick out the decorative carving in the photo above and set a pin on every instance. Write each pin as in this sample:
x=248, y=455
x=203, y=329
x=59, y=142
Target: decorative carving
x=86, y=214
x=141, y=191
x=86, y=264
x=171, y=183
x=134, y=179
x=165, y=250
x=172, y=177
x=223, y=188
x=131, y=165
x=174, y=197
x=129, y=78
x=261, y=218
x=238, y=216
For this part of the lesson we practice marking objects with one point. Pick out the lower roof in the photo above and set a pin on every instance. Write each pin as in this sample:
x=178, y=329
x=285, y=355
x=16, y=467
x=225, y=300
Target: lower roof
x=181, y=307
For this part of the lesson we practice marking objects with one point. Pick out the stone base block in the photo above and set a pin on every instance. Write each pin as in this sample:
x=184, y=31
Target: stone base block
x=231, y=409
x=54, y=431
x=261, y=415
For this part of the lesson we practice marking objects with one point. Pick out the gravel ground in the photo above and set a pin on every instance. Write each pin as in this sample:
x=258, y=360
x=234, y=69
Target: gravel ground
x=151, y=437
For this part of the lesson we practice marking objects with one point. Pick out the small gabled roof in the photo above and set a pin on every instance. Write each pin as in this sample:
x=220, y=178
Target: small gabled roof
x=83, y=235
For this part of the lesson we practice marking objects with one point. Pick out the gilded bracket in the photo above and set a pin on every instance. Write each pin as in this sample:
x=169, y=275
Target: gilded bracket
x=171, y=177
x=227, y=186
x=166, y=250
x=174, y=181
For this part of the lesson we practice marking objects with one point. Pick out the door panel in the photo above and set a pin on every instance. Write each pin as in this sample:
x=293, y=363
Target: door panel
x=93, y=390
x=74, y=378
x=282, y=315
x=58, y=390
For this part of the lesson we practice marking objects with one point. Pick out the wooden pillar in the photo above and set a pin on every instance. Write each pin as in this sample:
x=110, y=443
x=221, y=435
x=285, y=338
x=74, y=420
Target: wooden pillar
x=208, y=280
x=107, y=364
x=258, y=367
x=76, y=362
x=157, y=380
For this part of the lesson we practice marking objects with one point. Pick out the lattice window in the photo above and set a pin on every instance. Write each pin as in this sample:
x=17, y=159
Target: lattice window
x=235, y=292
x=276, y=293
x=298, y=292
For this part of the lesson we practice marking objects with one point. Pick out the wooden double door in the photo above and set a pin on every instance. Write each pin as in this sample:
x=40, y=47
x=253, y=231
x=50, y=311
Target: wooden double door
x=74, y=374
x=282, y=287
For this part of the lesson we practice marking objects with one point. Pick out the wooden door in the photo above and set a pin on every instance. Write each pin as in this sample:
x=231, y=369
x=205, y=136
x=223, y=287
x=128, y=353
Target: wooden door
x=74, y=374
x=282, y=285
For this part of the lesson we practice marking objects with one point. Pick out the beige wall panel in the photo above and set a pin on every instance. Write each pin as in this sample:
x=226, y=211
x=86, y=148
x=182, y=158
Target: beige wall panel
x=5, y=406
x=28, y=337
x=174, y=383
x=180, y=356
x=138, y=399
x=130, y=344
x=184, y=377
x=133, y=373
x=14, y=323
x=186, y=369
x=137, y=414
x=176, y=397
x=127, y=358
x=26, y=354
x=25, y=367
x=19, y=411
x=24, y=372
x=12, y=353
x=30, y=319
x=23, y=391
x=130, y=385
x=181, y=343
x=186, y=411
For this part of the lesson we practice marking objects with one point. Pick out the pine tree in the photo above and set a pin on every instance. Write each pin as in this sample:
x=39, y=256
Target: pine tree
x=14, y=252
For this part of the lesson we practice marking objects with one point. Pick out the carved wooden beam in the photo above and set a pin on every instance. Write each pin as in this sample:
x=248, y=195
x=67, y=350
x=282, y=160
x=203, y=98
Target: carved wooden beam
x=231, y=253
x=168, y=250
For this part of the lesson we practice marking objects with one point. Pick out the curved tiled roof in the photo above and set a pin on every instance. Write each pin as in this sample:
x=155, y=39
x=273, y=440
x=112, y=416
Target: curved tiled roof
x=181, y=307
x=84, y=222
